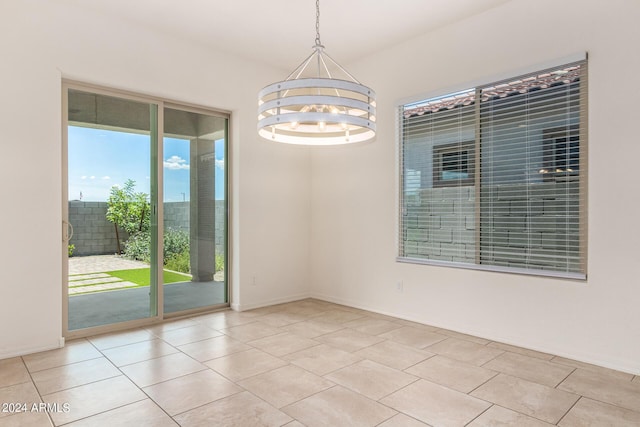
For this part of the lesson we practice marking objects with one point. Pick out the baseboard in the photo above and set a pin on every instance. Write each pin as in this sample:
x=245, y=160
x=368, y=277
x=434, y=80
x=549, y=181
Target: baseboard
x=29, y=350
x=266, y=303
x=618, y=365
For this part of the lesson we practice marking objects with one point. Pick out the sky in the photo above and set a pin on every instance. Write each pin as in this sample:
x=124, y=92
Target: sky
x=99, y=159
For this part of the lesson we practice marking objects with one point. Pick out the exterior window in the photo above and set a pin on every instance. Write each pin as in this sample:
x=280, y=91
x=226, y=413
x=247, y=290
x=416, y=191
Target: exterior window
x=561, y=154
x=453, y=164
x=493, y=177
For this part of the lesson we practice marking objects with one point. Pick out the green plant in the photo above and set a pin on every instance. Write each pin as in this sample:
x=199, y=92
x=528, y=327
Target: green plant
x=128, y=210
x=219, y=262
x=137, y=247
x=176, y=242
x=71, y=248
x=179, y=262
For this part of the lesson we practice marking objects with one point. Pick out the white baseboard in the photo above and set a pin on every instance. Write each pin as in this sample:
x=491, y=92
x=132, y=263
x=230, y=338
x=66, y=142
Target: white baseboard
x=266, y=303
x=631, y=367
x=29, y=350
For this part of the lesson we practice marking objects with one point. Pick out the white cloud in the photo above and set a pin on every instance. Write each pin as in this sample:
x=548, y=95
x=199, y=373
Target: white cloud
x=92, y=177
x=106, y=178
x=175, y=163
x=220, y=164
x=83, y=177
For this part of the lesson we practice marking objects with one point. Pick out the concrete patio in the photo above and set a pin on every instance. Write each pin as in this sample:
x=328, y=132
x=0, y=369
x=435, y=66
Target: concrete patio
x=114, y=305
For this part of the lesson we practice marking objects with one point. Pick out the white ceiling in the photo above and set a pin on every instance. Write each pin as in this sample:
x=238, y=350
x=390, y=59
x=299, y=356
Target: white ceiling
x=282, y=32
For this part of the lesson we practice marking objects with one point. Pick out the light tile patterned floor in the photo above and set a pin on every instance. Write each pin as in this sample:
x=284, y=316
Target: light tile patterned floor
x=308, y=363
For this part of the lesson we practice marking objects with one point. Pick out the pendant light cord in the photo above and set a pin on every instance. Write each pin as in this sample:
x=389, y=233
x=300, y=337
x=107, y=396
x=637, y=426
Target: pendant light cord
x=318, y=23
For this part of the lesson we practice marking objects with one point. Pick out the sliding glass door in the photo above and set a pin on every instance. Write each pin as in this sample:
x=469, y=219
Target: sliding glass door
x=194, y=208
x=130, y=259
x=111, y=147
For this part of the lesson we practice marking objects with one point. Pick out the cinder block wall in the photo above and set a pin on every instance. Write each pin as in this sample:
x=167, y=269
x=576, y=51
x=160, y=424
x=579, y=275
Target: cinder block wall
x=539, y=230
x=440, y=225
x=94, y=235
x=176, y=216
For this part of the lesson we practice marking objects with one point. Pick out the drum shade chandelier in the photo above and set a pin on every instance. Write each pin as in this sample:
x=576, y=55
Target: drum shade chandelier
x=319, y=103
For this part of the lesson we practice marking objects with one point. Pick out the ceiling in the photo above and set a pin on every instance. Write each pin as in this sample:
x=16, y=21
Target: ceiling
x=282, y=32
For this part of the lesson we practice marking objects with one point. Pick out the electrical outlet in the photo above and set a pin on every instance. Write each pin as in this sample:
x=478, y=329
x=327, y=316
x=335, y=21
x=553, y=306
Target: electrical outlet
x=253, y=280
x=400, y=286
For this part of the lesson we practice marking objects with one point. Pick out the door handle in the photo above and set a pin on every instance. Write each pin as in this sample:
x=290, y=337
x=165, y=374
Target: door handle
x=67, y=231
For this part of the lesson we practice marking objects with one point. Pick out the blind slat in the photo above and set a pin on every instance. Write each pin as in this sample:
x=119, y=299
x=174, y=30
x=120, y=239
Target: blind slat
x=498, y=179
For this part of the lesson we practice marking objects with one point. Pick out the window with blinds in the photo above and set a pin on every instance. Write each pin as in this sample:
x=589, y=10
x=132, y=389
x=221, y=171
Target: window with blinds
x=494, y=177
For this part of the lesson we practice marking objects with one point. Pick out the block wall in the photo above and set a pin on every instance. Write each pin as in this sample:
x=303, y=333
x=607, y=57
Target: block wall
x=94, y=235
x=522, y=225
x=440, y=225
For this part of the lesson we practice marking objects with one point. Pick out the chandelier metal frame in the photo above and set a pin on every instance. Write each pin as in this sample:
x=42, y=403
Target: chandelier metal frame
x=312, y=106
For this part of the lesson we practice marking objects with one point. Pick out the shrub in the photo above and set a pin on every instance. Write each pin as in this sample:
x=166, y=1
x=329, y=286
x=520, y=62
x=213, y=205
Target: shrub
x=128, y=209
x=137, y=247
x=179, y=262
x=219, y=262
x=176, y=242
x=71, y=248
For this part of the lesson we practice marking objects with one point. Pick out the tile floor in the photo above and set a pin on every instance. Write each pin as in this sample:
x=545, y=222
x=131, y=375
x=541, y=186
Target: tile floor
x=307, y=363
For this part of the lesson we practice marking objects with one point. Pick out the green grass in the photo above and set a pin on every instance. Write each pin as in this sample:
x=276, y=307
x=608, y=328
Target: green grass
x=142, y=277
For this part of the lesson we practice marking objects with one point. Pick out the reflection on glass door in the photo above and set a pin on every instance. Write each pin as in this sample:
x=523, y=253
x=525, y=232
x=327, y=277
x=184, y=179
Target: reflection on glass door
x=111, y=146
x=194, y=206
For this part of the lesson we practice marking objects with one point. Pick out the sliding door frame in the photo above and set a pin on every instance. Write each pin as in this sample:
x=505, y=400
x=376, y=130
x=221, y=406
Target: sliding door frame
x=190, y=108
x=157, y=205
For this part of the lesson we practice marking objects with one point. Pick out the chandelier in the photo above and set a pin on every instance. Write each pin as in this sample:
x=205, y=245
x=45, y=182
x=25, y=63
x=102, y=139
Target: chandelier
x=319, y=103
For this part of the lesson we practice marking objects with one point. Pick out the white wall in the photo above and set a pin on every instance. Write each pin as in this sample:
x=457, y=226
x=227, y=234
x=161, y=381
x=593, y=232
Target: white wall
x=342, y=234
x=42, y=42
x=354, y=202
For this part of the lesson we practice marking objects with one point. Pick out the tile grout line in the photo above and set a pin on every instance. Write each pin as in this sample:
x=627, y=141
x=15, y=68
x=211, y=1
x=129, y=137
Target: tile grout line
x=565, y=378
x=141, y=390
x=300, y=400
x=281, y=330
x=481, y=413
x=417, y=363
x=608, y=403
x=120, y=345
x=243, y=390
x=417, y=378
x=98, y=413
x=36, y=388
x=480, y=385
x=68, y=364
x=569, y=410
x=493, y=358
x=123, y=374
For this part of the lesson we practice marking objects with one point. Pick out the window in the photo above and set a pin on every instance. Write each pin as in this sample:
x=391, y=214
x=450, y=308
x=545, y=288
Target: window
x=561, y=155
x=493, y=177
x=453, y=164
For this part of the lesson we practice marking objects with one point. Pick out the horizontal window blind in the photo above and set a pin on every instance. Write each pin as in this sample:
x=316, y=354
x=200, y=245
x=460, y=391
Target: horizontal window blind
x=495, y=176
